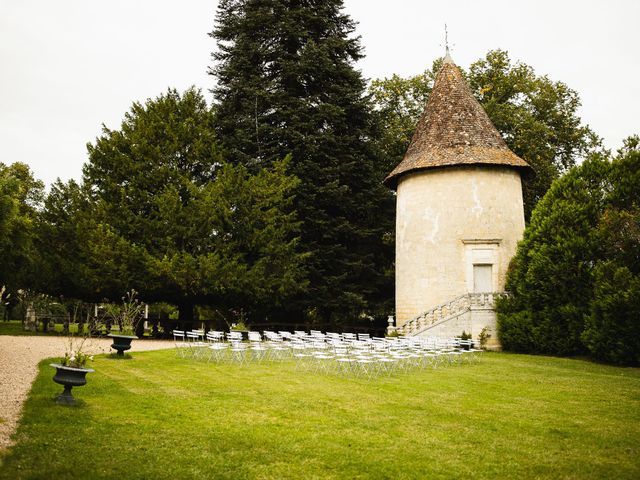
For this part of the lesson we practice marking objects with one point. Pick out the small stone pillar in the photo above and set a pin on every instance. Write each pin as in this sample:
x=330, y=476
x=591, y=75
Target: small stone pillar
x=391, y=328
x=30, y=320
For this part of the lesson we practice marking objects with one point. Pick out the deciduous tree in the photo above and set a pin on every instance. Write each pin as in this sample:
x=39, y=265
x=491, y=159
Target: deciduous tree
x=20, y=197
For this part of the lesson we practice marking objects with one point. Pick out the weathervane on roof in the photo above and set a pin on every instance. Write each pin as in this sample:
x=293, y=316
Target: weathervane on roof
x=446, y=38
x=447, y=57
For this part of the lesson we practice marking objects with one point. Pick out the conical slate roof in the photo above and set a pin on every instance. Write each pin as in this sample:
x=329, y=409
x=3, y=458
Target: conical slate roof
x=454, y=130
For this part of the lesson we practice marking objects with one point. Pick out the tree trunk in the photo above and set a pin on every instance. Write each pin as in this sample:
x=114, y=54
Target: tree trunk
x=185, y=316
x=140, y=328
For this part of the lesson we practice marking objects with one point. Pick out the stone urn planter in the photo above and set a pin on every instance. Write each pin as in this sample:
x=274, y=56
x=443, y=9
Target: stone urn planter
x=121, y=343
x=69, y=377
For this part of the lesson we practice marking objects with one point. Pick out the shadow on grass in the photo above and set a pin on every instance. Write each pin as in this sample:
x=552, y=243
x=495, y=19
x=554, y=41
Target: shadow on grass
x=79, y=404
x=115, y=356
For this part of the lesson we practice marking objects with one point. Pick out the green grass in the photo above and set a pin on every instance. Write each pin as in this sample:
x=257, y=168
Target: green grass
x=14, y=327
x=510, y=416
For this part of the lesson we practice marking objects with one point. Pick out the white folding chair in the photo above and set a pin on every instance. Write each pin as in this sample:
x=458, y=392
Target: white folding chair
x=196, y=344
x=257, y=347
x=180, y=342
x=217, y=347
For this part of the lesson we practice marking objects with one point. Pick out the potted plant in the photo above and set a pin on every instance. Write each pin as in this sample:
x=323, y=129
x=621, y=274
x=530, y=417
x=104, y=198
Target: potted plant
x=127, y=316
x=240, y=325
x=467, y=341
x=71, y=371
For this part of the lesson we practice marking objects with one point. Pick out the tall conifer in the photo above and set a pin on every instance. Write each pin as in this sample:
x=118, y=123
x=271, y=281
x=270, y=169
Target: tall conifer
x=286, y=84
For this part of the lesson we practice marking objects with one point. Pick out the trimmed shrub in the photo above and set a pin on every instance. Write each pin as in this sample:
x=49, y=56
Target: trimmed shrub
x=612, y=330
x=575, y=279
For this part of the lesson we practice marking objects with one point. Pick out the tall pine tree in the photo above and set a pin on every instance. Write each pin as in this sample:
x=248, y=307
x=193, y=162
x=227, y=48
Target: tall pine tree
x=286, y=84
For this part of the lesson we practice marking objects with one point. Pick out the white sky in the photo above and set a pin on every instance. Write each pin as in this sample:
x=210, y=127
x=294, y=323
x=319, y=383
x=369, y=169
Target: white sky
x=67, y=66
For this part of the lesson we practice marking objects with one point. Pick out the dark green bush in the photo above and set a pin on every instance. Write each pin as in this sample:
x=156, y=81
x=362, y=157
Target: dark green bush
x=575, y=277
x=612, y=329
x=515, y=330
x=550, y=275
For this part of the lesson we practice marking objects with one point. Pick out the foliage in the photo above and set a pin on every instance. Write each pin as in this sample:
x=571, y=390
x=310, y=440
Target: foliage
x=286, y=84
x=611, y=327
x=239, y=327
x=399, y=102
x=549, y=277
x=160, y=211
x=126, y=315
x=239, y=319
x=75, y=356
x=611, y=330
x=465, y=336
x=536, y=116
x=484, y=337
x=65, y=225
x=20, y=197
x=575, y=273
x=163, y=311
x=288, y=425
x=43, y=305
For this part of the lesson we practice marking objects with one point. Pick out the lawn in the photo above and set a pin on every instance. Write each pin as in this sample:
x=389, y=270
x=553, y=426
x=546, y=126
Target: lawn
x=14, y=327
x=157, y=416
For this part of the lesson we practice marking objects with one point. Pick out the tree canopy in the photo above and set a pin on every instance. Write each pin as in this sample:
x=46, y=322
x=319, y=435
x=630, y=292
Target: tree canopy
x=286, y=84
x=160, y=211
x=575, y=279
x=536, y=116
x=20, y=196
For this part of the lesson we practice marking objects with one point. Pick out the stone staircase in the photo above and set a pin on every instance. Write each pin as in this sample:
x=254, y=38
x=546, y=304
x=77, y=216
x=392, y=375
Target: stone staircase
x=468, y=312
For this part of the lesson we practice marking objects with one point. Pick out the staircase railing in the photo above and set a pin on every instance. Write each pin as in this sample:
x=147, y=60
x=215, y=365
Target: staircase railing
x=450, y=309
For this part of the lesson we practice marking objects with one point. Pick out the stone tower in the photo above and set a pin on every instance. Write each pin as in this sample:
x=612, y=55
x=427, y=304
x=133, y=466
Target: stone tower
x=459, y=214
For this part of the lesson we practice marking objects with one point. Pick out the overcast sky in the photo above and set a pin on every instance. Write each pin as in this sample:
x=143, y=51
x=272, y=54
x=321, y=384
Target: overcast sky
x=67, y=66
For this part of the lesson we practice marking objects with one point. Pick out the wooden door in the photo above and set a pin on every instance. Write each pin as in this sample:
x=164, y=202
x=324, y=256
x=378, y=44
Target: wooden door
x=482, y=281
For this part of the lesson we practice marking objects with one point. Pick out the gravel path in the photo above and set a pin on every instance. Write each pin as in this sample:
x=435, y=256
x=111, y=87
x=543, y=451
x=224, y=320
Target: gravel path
x=19, y=357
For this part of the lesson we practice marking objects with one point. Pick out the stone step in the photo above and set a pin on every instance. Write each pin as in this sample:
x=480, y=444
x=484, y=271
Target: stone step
x=450, y=311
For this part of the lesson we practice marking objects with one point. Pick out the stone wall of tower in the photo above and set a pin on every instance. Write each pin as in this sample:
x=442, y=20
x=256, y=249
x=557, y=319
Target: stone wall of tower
x=447, y=220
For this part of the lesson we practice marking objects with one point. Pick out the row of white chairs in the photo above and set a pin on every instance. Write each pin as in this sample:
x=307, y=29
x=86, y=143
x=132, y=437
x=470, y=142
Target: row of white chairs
x=381, y=356
x=348, y=354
